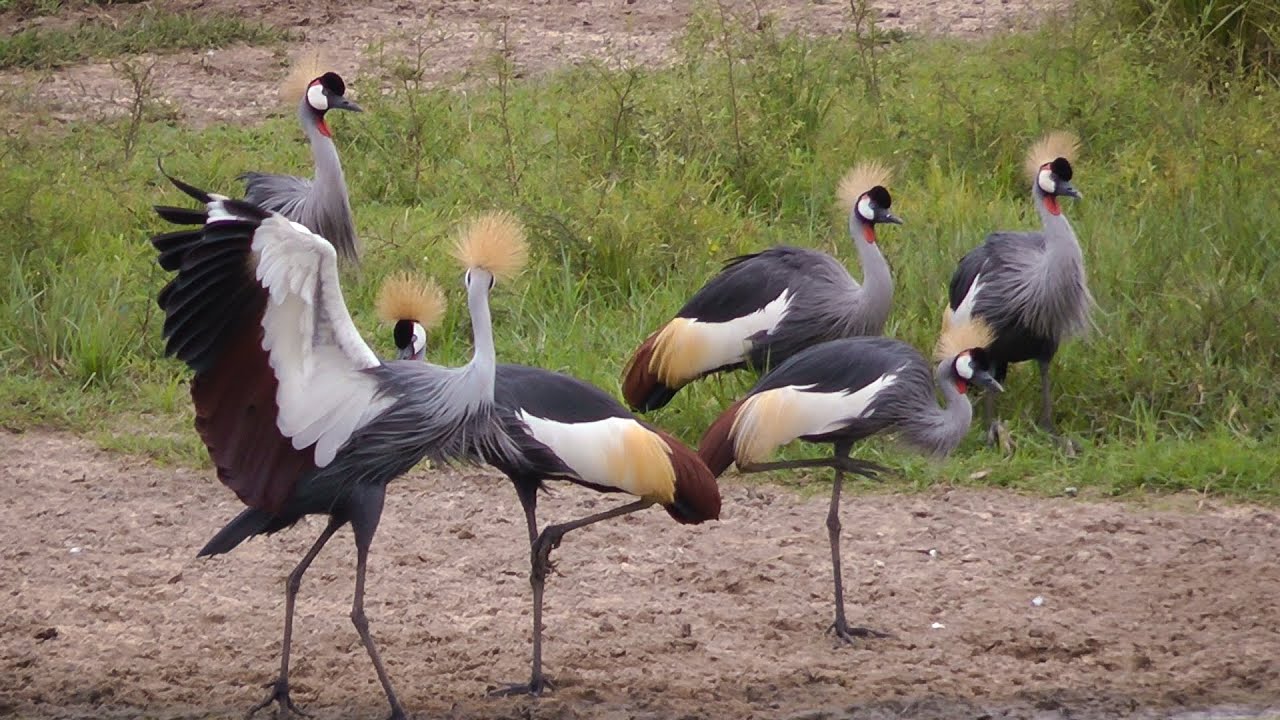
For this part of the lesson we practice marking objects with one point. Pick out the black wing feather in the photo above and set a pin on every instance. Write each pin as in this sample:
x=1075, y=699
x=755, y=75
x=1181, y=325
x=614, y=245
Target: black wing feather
x=746, y=284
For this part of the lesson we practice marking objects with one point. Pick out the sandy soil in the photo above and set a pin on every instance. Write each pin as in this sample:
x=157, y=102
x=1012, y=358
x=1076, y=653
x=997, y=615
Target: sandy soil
x=1146, y=613
x=240, y=83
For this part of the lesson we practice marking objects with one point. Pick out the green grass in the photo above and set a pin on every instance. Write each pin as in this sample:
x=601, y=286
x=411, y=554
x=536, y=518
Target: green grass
x=148, y=30
x=637, y=185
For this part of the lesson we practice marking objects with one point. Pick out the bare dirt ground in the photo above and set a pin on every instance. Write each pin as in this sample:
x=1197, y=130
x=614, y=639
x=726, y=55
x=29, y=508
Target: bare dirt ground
x=240, y=83
x=1146, y=613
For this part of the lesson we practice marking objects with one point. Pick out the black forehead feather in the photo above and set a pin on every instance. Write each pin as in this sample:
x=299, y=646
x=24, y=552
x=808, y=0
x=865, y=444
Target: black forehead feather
x=880, y=197
x=332, y=82
x=1061, y=168
x=980, y=359
x=403, y=333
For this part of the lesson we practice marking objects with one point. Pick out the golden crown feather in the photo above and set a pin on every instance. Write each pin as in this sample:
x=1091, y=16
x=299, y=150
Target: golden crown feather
x=860, y=179
x=958, y=337
x=494, y=242
x=1055, y=144
x=406, y=296
x=307, y=66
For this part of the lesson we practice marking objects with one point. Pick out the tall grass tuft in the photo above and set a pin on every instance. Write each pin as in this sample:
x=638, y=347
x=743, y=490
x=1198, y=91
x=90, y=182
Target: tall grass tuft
x=1221, y=38
x=636, y=185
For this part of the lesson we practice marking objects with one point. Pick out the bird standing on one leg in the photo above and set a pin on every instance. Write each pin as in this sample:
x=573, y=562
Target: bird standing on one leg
x=845, y=390
x=761, y=309
x=297, y=413
x=1029, y=287
x=322, y=204
x=566, y=429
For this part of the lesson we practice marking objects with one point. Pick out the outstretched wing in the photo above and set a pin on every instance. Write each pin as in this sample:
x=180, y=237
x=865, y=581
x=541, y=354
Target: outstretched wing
x=256, y=310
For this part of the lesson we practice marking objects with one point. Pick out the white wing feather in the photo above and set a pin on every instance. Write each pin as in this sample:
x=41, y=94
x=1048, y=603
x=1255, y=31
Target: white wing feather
x=313, y=346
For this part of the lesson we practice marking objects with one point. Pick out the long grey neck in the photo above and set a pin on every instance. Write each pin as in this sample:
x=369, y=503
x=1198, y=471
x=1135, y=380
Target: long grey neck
x=943, y=428
x=877, y=284
x=1061, y=241
x=484, y=361
x=329, y=178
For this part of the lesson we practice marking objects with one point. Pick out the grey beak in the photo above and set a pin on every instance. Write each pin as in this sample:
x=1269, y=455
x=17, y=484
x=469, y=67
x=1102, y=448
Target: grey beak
x=983, y=378
x=887, y=217
x=341, y=103
x=1066, y=188
x=404, y=353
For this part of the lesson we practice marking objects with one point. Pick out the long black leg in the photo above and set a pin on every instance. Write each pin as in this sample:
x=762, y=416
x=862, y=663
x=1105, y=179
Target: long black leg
x=280, y=688
x=547, y=541
x=537, y=682
x=841, y=627
x=847, y=464
x=366, y=511
x=1069, y=446
x=1046, y=399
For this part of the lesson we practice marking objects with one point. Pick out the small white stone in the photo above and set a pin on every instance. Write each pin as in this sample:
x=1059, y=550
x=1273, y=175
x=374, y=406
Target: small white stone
x=1037, y=601
x=879, y=563
x=938, y=626
x=933, y=552
x=76, y=550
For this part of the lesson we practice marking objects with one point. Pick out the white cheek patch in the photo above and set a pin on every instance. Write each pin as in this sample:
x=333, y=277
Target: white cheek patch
x=1045, y=180
x=419, y=341
x=964, y=367
x=316, y=98
x=865, y=210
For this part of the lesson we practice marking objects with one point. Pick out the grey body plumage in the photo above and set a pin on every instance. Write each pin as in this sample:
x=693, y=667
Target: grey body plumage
x=762, y=309
x=1028, y=287
x=840, y=392
x=321, y=203
x=297, y=413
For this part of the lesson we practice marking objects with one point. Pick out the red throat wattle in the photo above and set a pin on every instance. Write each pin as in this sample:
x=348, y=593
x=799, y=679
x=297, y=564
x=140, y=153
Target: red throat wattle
x=962, y=386
x=1050, y=204
x=323, y=127
x=869, y=233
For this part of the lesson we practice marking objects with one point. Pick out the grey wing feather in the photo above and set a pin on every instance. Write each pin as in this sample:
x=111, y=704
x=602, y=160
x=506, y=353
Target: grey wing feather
x=284, y=194
x=436, y=415
x=301, y=201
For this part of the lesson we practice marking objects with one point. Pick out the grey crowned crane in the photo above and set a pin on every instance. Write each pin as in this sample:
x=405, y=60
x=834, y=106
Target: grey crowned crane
x=298, y=415
x=320, y=204
x=566, y=429
x=845, y=390
x=761, y=309
x=1029, y=287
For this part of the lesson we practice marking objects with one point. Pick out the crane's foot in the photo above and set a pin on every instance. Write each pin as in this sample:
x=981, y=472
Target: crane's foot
x=547, y=541
x=279, y=694
x=536, y=687
x=865, y=468
x=1068, y=446
x=853, y=633
x=998, y=437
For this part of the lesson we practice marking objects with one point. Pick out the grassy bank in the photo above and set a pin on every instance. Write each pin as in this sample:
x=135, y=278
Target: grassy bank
x=637, y=185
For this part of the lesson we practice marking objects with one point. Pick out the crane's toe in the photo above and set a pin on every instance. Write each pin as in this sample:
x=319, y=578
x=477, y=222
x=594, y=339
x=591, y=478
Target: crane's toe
x=536, y=687
x=1068, y=446
x=998, y=437
x=853, y=633
x=279, y=695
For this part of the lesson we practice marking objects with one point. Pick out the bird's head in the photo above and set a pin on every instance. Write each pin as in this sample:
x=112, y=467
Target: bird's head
x=863, y=197
x=412, y=305
x=492, y=247
x=328, y=92
x=1049, y=168
x=974, y=366
x=411, y=340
